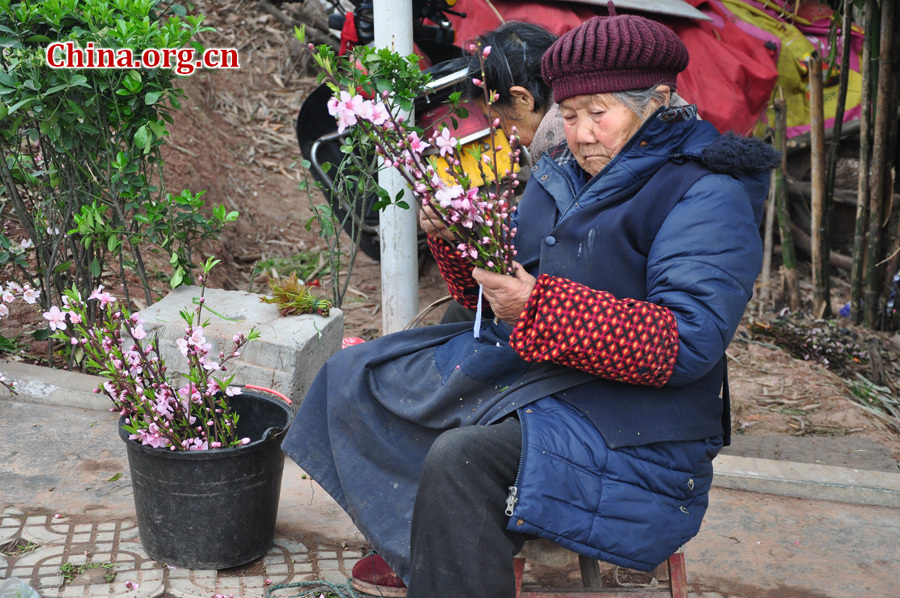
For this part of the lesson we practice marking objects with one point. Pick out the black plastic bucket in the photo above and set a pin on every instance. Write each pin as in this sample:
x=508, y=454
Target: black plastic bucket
x=213, y=509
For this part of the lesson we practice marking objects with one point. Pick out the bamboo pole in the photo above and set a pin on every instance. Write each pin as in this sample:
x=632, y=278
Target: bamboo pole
x=837, y=128
x=883, y=120
x=788, y=254
x=819, y=229
x=865, y=161
x=892, y=266
x=765, y=290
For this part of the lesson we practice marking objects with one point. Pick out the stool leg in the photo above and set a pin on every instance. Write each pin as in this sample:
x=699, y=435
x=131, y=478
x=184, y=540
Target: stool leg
x=678, y=575
x=519, y=570
x=590, y=572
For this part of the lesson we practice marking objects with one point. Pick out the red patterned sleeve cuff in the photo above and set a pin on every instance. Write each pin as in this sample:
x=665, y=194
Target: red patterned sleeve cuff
x=620, y=339
x=456, y=272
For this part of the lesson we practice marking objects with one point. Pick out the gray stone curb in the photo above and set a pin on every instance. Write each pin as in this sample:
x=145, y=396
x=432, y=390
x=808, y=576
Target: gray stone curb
x=808, y=480
x=49, y=386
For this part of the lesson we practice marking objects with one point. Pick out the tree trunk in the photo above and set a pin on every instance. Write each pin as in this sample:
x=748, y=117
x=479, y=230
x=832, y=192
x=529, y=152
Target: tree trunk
x=819, y=230
x=883, y=119
x=788, y=256
x=765, y=291
x=890, y=278
x=865, y=161
x=846, y=24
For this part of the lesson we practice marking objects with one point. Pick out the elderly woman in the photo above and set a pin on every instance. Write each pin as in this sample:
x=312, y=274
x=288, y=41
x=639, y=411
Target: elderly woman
x=589, y=411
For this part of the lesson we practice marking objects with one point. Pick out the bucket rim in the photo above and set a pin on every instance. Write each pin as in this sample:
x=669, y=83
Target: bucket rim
x=272, y=435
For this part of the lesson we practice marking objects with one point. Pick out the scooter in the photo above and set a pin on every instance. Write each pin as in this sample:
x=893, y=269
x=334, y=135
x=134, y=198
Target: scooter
x=317, y=132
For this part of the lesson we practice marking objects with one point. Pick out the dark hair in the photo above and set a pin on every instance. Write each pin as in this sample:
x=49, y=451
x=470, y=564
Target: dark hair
x=515, y=59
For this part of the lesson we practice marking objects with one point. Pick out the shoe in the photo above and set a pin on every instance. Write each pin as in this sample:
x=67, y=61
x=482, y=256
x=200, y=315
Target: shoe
x=373, y=576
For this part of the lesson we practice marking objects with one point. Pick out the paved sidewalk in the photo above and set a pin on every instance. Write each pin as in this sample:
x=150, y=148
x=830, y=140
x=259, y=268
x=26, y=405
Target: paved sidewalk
x=62, y=540
x=69, y=461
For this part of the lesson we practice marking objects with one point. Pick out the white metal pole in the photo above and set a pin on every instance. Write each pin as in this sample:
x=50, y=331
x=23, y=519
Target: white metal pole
x=399, y=255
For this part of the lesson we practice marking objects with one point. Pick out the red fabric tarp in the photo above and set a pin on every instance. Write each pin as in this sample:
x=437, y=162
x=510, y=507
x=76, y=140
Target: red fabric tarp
x=731, y=72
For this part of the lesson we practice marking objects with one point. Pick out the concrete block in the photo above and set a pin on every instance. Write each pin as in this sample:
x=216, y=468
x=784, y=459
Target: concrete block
x=286, y=356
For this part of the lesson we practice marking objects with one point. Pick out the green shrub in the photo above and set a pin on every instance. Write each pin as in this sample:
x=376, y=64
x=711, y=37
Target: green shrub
x=79, y=148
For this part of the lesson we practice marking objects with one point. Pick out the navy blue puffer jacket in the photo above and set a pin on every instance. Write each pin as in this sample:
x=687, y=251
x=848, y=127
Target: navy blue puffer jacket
x=622, y=472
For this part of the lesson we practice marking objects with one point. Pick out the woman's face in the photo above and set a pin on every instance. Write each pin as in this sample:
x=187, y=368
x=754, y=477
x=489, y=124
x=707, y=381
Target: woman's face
x=520, y=113
x=597, y=127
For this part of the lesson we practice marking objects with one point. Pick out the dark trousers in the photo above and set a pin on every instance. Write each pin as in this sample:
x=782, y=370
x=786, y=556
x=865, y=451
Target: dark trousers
x=460, y=546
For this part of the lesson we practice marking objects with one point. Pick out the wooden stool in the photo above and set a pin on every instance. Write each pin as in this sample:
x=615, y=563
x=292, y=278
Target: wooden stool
x=672, y=569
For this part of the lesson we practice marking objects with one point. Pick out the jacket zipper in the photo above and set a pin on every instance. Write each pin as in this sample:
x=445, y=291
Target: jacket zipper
x=513, y=498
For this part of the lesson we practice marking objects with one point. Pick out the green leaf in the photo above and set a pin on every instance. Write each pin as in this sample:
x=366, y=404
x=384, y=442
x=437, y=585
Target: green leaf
x=18, y=105
x=112, y=244
x=152, y=97
x=41, y=335
x=177, y=278
x=10, y=42
x=142, y=137
x=62, y=267
x=38, y=38
x=55, y=88
x=115, y=477
x=95, y=267
x=158, y=128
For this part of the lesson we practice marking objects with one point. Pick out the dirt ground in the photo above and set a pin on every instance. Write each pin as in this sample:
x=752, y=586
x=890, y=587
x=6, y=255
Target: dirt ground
x=235, y=139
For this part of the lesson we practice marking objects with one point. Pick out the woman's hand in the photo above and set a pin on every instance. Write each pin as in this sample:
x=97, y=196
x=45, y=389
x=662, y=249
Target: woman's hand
x=431, y=223
x=506, y=294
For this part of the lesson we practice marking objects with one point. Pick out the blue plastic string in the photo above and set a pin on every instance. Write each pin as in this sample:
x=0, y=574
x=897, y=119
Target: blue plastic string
x=478, y=313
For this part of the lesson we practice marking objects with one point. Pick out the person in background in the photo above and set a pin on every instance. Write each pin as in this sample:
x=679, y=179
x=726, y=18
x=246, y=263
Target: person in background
x=589, y=410
x=513, y=70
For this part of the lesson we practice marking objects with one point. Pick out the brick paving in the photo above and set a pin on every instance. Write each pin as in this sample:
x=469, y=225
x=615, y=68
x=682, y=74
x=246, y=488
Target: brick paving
x=55, y=541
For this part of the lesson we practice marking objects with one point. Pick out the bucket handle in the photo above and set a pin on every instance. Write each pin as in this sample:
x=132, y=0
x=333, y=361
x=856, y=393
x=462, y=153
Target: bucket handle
x=269, y=390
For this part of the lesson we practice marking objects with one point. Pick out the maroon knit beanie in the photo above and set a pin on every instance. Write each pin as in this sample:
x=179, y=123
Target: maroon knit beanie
x=614, y=53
